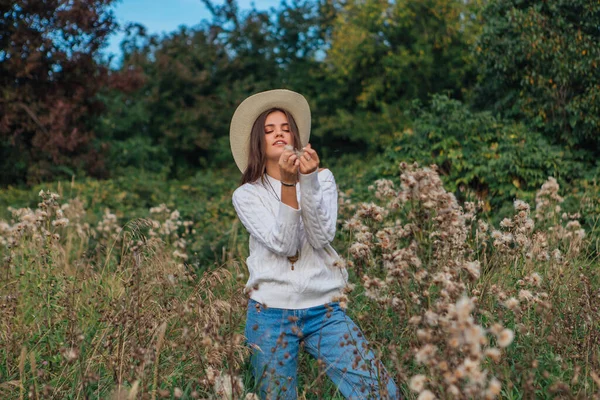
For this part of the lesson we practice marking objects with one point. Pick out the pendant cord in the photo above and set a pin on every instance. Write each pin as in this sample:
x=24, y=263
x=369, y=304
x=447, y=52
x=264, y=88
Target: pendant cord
x=273, y=189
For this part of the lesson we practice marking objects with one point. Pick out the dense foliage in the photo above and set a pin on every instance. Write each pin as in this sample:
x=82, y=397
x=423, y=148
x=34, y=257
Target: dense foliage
x=386, y=54
x=49, y=79
x=497, y=159
x=540, y=64
x=496, y=93
x=194, y=79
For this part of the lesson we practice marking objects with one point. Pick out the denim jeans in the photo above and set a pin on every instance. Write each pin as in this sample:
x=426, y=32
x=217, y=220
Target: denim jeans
x=329, y=335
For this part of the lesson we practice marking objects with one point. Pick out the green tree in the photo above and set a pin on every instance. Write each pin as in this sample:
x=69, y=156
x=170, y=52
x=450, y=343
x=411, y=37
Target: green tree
x=385, y=54
x=389, y=51
x=539, y=63
x=192, y=80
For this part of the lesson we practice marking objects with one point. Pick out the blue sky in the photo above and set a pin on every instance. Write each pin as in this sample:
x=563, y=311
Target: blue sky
x=164, y=16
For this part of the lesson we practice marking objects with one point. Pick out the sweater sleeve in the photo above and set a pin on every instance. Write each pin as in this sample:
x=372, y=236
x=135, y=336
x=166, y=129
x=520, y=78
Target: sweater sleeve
x=318, y=202
x=278, y=233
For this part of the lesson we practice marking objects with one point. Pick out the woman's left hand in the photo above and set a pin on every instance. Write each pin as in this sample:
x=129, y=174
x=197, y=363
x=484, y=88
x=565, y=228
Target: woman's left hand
x=309, y=162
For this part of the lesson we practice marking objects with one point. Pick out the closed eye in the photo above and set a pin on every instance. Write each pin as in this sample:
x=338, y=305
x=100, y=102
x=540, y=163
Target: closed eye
x=284, y=130
x=271, y=128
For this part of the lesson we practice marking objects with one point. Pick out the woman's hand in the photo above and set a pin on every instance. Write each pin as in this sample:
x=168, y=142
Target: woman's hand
x=309, y=161
x=288, y=166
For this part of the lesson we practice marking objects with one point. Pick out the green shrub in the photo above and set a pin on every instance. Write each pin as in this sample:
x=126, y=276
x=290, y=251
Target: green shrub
x=497, y=160
x=138, y=153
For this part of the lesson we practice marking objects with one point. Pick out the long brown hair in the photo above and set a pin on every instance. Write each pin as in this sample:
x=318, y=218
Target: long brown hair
x=257, y=159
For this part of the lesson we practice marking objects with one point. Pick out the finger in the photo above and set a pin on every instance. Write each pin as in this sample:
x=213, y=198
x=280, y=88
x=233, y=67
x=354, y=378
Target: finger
x=289, y=157
x=292, y=159
x=307, y=165
x=292, y=168
x=286, y=154
x=309, y=161
x=310, y=151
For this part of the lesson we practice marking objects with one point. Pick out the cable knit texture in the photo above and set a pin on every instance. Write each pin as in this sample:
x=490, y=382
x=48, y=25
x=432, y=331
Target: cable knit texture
x=277, y=231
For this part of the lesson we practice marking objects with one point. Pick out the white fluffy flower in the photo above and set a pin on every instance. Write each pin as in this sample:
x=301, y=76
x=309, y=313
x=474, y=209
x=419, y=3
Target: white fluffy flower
x=417, y=383
x=473, y=268
x=511, y=303
x=426, y=395
x=493, y=389
x=525, y=295
x=425, y=353
x=61, y=222
x=505, y=338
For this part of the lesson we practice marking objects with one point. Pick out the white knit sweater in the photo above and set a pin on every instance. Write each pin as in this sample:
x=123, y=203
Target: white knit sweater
x=277, y=231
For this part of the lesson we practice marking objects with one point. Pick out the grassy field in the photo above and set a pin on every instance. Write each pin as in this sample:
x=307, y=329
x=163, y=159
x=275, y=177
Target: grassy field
x=122, y=290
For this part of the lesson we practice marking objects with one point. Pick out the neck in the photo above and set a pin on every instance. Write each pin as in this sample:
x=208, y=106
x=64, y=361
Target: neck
x=273, y=169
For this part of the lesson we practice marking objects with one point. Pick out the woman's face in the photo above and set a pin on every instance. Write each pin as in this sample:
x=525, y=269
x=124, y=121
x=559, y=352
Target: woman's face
x=278, y=134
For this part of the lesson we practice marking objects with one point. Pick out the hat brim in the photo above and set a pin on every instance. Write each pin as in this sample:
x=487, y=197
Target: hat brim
x=245, y=115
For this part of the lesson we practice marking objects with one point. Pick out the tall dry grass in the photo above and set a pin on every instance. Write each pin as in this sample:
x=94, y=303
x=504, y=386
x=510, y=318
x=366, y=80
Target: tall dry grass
x=455, y=307
x=100, y=311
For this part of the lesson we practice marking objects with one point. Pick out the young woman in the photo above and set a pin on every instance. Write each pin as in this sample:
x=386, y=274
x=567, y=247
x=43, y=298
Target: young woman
x=289, y=207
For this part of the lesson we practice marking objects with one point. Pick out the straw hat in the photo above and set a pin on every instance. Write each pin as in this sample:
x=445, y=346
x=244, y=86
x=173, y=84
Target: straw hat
x=247, y=112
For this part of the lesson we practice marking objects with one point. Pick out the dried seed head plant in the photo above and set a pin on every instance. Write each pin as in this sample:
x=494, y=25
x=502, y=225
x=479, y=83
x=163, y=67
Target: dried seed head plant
x=456, y=306
x=427, y=268
x=113, y=310
x=460, y=286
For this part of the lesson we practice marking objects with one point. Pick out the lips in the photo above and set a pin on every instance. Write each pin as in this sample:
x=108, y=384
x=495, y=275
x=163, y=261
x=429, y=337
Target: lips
x=280, y=142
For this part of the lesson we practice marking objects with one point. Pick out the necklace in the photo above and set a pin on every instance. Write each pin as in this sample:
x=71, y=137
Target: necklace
x=296, y=256
x=272, y=189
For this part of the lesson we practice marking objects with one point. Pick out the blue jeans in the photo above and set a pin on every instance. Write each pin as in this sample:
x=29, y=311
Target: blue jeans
x=329, y=335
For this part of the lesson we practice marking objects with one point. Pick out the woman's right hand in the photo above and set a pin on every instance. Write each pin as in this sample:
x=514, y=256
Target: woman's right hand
x=288, y=166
